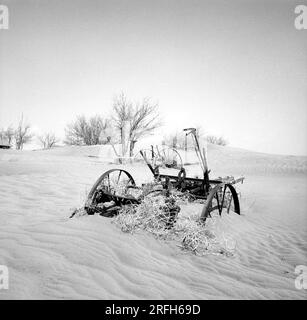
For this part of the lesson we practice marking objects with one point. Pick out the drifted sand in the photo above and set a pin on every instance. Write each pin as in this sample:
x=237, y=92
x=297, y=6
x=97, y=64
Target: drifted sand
x=50, y=256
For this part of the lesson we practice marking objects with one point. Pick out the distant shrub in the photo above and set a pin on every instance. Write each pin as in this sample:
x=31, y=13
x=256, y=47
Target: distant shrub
x=7, y=136
x=179, y=140
x=48, y=140
x=217, y=140
x=87, y=131
x=20, y=136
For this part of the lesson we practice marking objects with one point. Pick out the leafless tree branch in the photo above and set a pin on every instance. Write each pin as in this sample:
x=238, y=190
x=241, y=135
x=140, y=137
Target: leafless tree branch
x=48, y=140
x=143, y=118
x=22, y=134
x=85, y=131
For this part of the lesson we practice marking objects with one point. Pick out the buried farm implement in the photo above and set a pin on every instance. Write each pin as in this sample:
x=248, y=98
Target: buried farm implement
x=116, y=188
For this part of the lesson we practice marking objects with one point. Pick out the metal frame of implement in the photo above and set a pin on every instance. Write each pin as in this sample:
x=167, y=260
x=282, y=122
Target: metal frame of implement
x=217, y=194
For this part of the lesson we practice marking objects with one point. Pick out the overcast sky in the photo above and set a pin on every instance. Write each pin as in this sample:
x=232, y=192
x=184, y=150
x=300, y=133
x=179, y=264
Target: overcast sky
x=238, y=68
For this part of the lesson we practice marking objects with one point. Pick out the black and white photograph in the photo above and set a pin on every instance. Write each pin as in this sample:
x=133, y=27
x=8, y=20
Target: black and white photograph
x=153, y=150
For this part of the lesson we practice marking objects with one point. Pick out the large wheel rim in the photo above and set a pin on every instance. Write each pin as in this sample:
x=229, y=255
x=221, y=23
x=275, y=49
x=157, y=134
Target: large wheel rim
x=221, y=197
x=170, y=158
x=115, y=182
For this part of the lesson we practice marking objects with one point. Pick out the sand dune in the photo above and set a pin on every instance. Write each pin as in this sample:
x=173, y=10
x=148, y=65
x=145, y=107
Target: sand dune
x=50, y=256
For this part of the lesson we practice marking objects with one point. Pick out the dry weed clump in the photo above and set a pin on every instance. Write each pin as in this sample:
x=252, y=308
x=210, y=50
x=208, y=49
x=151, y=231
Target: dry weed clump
x=157, y=214
x=154, y=215
x=197, y=238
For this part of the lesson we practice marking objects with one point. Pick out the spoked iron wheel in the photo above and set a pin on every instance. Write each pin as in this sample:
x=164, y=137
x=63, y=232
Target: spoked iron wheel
x=170, y=158
x=114, y=181
x=223, y=197
x=111, y=188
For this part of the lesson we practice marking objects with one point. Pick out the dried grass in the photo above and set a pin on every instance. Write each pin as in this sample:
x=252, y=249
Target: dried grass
x=153, y=217
x=151, y=214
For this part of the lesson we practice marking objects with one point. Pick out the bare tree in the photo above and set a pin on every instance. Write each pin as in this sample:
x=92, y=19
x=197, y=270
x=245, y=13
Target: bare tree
x=22, y=134
x=9, y=134
x=85, y=131
x=123, y=110
x=76, y=132
x=48, y=140
x=97, y=126
x=143, y=118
